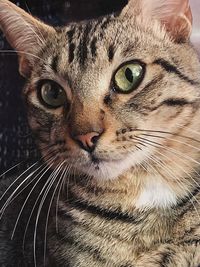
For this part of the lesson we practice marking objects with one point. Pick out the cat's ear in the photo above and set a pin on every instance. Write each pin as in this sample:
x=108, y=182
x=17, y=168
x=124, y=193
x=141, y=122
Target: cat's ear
x=24, y=33
x=195, y=37
x=176, y=15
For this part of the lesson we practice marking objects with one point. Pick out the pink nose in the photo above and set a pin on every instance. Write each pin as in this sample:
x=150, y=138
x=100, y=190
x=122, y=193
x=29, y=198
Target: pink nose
x=88, y=141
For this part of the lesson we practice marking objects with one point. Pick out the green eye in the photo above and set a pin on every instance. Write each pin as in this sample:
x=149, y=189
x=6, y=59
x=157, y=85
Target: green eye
x=129, y=77
x=52, y=94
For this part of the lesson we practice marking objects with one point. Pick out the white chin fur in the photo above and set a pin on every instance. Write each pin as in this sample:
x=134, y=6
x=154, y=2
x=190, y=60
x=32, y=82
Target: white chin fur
x=156, y=192
x=113, y=169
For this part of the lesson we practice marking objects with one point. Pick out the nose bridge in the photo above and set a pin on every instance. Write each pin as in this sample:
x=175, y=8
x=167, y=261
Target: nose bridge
x=85, y=118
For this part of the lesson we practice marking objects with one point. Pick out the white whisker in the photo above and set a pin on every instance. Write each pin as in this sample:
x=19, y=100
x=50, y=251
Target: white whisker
x=43, y=171
x=50, y=204
x=48, y=185
x=21, y=52
x=67, y=170
x=24, y=181
x=31, y=214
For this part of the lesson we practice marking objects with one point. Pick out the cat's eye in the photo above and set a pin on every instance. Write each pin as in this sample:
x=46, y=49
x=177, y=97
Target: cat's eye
x=128, y=77
x=52, y=94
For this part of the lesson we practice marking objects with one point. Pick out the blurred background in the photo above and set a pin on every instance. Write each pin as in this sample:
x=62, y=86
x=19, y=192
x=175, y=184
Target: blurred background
x=16, y=143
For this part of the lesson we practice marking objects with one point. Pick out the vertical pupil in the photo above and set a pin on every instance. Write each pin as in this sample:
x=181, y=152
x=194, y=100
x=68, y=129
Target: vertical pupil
x=53, y=92
x=129, y=75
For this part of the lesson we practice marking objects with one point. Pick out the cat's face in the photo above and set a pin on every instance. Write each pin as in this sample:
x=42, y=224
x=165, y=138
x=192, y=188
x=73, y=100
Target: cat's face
x=109, y=95
x=88, y=62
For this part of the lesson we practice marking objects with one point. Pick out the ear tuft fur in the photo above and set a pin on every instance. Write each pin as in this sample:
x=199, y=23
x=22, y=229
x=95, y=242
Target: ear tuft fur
x=175, y=15
x=24, y=33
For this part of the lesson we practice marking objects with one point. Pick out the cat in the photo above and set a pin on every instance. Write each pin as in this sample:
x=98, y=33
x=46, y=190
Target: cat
x=114, y=104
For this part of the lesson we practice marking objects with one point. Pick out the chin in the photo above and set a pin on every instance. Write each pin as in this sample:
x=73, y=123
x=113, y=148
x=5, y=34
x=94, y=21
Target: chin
x=105, y=170
x=113, y=169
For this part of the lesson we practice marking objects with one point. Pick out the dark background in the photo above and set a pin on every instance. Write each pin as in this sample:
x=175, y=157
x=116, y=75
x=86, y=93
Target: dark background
x=16, y=143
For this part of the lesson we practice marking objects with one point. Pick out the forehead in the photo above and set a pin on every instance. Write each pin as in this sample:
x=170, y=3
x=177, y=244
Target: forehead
x=109, y=32
x=95, y=40
x=90, y=51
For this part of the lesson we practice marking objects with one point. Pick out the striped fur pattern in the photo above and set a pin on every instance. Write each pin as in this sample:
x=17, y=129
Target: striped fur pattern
x=133, y=201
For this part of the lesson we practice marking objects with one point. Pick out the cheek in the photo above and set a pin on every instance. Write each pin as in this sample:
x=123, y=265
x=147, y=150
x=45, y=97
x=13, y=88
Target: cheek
x=41, y=130
x=167, y=117
x=58, y=131
x=60, y=135
x=164, y=117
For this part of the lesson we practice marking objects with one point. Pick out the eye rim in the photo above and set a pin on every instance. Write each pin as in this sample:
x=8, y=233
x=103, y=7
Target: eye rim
x=116, y=88
x=39, y=86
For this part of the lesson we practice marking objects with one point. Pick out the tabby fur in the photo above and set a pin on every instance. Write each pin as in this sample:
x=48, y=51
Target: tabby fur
x=133, y=201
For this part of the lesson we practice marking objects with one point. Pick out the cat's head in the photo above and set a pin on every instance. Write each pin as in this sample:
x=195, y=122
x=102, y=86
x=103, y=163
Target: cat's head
x=111, y=95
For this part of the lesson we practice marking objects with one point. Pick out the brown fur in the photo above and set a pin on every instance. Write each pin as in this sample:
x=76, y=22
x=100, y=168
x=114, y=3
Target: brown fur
x=137, y=202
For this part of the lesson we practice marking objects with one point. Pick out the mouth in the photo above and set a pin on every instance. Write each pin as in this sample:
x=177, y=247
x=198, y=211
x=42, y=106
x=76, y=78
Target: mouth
x=103, y=168
x=95, y=160
x=108, y=166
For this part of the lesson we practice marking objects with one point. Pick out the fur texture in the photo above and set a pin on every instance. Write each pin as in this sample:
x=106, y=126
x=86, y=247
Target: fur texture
x=134, y=199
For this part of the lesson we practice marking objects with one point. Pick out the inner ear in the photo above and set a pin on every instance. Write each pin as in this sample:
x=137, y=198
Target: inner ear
x=175, y=15
x=179, y=23
x=26, y=34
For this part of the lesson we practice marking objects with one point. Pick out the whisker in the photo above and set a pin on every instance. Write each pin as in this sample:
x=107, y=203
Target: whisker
x=67, y=170
x=166, y=132
x=3, y=208
x=35, y=204
x=10, y=169
x=171, y=159
x=33, y=165
x=47, y=188
x=42, y=148
x=180, y=167
x=156, y=145
x=189, y=129
x=43, y=171
x=25, y=187
x=14, y=52
x=183, y=186
x=50, y=204
x=171, y=139
x=187, y=174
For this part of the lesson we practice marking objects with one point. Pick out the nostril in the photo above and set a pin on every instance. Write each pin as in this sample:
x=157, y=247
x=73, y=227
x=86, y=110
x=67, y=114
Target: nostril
x=88, y=141
x=83, y=145
x=94, y=139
